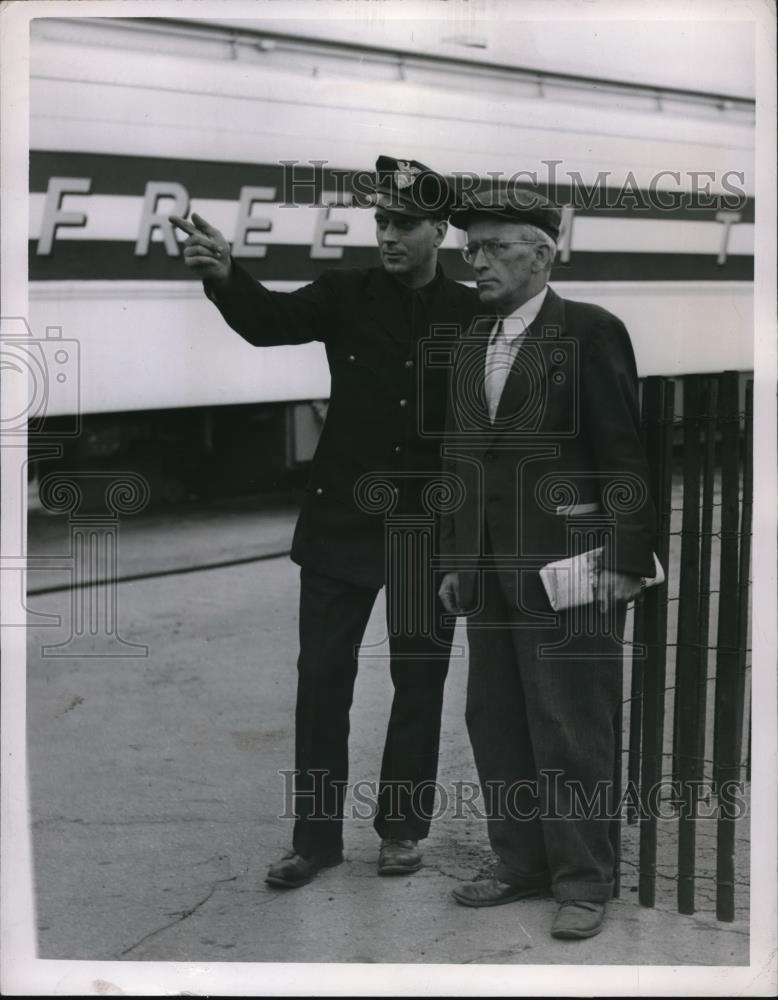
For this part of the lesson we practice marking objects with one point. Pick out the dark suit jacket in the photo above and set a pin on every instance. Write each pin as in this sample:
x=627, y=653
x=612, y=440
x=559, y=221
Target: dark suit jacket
x=566, y=439
x=386, y=412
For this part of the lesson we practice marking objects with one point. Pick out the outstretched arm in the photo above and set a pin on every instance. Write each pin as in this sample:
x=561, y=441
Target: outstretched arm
x=261, y=317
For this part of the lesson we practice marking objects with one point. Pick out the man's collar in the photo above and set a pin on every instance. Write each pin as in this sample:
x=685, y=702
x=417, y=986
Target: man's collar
x=520, y=319
x=423, y=290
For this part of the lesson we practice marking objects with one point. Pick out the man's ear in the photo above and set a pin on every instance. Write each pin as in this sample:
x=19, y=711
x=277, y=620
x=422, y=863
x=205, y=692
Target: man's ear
x=543, y=259
x=441, y=228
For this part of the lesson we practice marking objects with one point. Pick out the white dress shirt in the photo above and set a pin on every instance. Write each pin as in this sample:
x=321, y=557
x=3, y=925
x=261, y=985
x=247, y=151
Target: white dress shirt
x=504, y=343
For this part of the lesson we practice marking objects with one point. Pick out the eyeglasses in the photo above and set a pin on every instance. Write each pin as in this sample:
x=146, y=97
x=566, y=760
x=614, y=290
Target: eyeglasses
x=493, y=249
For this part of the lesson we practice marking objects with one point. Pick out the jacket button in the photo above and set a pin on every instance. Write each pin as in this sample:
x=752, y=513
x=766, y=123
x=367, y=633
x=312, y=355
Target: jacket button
x=351, y=357
x=319, y=491
x=403, y=402
x=409, y=363
x=397, y=449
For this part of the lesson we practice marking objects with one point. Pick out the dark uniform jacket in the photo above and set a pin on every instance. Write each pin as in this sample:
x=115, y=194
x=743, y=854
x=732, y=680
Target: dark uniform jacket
x=386, y=412
x=565, y=450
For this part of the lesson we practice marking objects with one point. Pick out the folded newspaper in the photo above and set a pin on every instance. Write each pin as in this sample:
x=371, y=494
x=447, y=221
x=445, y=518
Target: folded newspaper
x=573, y=581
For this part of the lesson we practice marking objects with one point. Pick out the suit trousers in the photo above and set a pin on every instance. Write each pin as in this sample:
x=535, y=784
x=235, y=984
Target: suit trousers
x=333, y=617
x=541, y=724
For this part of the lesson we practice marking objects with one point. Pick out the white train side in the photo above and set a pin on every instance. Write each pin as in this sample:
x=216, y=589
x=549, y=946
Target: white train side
x=133, y=118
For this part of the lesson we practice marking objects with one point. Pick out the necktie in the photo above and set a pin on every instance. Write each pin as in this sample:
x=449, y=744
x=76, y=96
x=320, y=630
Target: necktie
x=499, y=358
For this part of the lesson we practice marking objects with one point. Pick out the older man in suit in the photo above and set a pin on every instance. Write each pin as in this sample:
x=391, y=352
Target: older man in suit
x=378, y=440
x=543, y=432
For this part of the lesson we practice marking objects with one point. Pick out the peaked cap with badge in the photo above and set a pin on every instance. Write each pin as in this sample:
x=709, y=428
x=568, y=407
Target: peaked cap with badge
x=408, y=187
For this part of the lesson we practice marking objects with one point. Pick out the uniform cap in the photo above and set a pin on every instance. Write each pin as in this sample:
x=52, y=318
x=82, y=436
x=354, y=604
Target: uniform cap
x=408, y=187
x=511, y=204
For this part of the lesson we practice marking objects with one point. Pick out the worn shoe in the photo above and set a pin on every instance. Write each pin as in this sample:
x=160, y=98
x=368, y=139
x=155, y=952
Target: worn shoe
x=578, y=918
x=492, y=892
x=398, y=857
x=293, y=870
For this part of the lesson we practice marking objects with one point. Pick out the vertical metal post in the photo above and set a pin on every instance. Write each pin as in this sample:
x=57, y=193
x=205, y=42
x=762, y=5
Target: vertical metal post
x=710, y=411
x=635, y=713
x=615, y=825
x=658, y=401
x=727, y=659
x=638, y=665
x=688, y=653
x=744, y=567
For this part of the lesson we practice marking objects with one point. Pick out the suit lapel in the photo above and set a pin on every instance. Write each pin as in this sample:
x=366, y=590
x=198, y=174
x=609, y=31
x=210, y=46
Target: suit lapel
x=550, y=317
x=471, y=367
x=527, y=380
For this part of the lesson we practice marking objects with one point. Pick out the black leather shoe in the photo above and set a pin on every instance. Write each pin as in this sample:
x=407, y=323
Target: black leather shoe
x=578, y=918
x=398, y=857
x=293, y=870
x=492, y=892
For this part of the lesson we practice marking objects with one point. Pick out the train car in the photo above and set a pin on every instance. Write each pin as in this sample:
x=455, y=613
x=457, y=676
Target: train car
x=266, y=136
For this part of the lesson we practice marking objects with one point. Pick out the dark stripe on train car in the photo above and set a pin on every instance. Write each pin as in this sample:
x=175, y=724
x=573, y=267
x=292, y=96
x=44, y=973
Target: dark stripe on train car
x=113, y=260
x=128, y=175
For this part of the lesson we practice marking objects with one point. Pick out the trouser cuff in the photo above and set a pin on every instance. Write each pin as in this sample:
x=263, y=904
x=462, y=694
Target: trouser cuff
x=592, y=892
x=503, y=873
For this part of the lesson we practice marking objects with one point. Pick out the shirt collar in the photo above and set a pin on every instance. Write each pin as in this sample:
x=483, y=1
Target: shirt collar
x=520, y=319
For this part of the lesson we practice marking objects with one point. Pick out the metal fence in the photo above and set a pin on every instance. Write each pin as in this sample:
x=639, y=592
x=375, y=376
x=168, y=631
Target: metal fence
x=685, y=731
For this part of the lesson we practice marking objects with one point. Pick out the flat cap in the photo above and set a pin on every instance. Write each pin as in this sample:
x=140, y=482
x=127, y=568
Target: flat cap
x=509, y=204
x=411, y=188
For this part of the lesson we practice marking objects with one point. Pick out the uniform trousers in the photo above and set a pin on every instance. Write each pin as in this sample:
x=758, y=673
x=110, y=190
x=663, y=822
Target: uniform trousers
x=333, y=617
x=541, y=725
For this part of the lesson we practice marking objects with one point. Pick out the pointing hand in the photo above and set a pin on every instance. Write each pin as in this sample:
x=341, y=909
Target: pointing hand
x=206, y=251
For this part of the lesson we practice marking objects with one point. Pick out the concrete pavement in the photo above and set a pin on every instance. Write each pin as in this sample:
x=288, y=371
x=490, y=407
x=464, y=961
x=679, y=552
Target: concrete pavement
x=156, y=794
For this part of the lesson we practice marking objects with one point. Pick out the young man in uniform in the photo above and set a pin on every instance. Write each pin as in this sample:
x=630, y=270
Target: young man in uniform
x=382, y=432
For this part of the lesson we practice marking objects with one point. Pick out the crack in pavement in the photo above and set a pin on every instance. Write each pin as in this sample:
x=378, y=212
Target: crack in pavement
x=631, y=912
x=183, y=915
x=459, y=876
x=674, y=878
x=74, y=703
